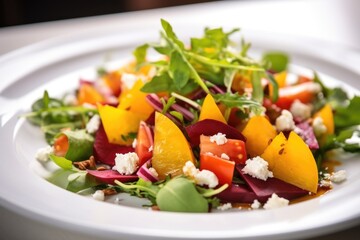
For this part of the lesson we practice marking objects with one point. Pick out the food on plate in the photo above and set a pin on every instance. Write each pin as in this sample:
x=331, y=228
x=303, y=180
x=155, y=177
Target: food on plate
x=198, y=127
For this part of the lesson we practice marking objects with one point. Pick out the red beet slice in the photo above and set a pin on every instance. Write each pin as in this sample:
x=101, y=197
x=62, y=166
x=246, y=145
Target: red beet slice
x=306, y=132
x=237, y=194
x=209, y=127
x=264, y=189
x=109, y=176
x=104, y=151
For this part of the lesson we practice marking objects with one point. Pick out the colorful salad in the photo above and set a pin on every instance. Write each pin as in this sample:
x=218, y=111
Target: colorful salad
x=202, y=127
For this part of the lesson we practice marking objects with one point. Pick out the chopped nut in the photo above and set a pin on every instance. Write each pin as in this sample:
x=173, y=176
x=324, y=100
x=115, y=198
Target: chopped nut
x=87, y=164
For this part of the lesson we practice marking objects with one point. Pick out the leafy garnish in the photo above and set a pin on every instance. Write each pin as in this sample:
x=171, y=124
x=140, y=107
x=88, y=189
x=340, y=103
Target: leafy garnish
x=348, y=116
x=277, y=61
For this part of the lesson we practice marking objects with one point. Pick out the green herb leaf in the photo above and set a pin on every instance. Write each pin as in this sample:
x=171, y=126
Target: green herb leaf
x=179, y=70
x=348, y=116
x=235, y=100
x=180, y=195
x=170, y=33
x=273, y=82
x=167, y=104
x=80, y=145
x=140, y=53
x=257, y=93
x=62, y=162
x=278, y=61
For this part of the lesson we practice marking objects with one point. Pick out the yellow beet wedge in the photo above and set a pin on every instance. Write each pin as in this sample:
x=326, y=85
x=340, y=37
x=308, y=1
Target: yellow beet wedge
x=134, y=100
x=210, y=110
x=328, y=119
x=171, y=149
x=259, y=133
x=292, y=162
x=119, y=123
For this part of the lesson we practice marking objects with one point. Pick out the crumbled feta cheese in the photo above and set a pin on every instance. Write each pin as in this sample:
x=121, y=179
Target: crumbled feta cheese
x=99, y=195
x=203, y=177
x=42, y=154
x=70, y=100
x=257, y=168
x=190, y=170
x=312, y=87
x=276, y=202
x=219, y=139
x=151, y=148
x=130, y=79
x=134, y=143
x=153, y=172
x=326, y=176
x=225, y=156
x=209, y=154
x=256, y=204
x=300, y=110
x=127, y=163
x=325, y=183
x=93, y=125
x=206, y=177
x=285, y=121
x=355, y=139
x=338, y=176
x=319, y=127
x=225, y=207
x=89, y=106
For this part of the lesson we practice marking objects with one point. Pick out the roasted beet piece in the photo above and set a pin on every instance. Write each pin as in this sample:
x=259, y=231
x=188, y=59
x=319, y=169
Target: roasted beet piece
x=109, y=176
x=104, y=151
x=209, y=127
x=264, y=189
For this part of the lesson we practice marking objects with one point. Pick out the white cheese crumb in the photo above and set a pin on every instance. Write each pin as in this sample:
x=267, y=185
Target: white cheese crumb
x=42, y=154
x=203, y=177
x=300, y=110
x=256, y=204
x=70, y=99
x=206, y=177
x=88, y=106
x=257, y=168
x=134, y=143
x=312, y=87
x=338, y=176
x=276, y=202
x=285, y=121
x=151, y=148
x=225, y=156
x=127, y=163
x=153, y=172
x=93, y=125
x=190, y=170
x=325, y=183
x=225, y=207
x=319, y=127
x=99, y=195
x=219, y=139
x=326, y=176
x=355, y=139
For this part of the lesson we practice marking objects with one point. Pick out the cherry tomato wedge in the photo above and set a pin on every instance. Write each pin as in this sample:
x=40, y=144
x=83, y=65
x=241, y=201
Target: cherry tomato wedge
x=144, y=141
x=305, y=92
x=233, y=148
x=61, y=145
x=223, y=169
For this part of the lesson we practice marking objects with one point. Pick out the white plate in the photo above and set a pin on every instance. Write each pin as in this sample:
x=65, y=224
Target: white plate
x=46, y=66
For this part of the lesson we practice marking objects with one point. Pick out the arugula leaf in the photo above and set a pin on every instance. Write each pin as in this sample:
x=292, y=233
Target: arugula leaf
x=62, y=162
x=170, y=33
x=140, y=53
x=348, y=116
x=229, y=78
x=178, y=70
x=273, y=82
x=167, y=104
x=164, y=83
x=231, y=100
x=278, y=60
x=257, y=93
